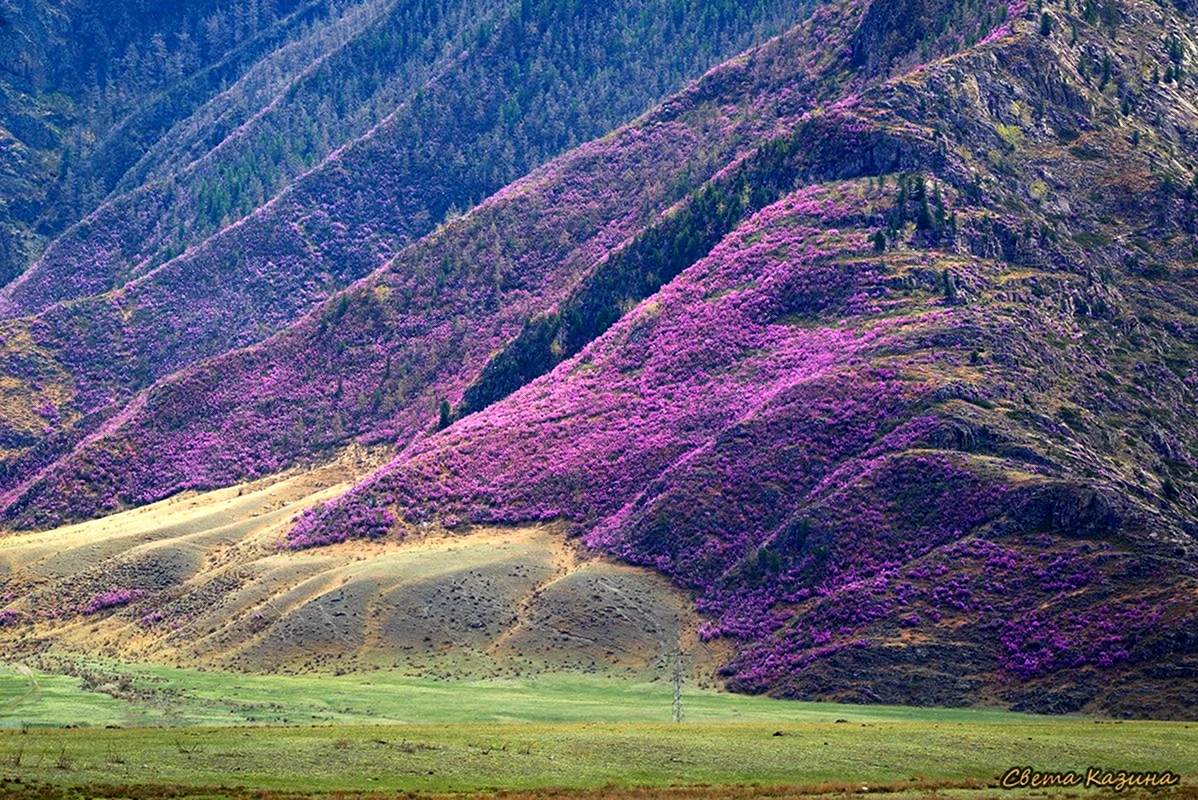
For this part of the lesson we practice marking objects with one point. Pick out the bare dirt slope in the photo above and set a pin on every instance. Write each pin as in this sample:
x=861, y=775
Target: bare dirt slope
x=200, y=579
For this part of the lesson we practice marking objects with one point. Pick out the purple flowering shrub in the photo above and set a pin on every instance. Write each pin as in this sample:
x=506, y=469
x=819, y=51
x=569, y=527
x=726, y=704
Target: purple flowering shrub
x=891, y=510
x=833, y=419
x=658, y=385
x=710, y=436
x=373, y=362
x=1040, y=642
x=113, y=598
x=331, y=523
x=358, y=212
x=1034, y=604
x=764, y=430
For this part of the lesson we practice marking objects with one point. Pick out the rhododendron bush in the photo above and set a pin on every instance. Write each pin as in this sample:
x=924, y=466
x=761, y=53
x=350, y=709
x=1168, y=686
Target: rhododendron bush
x=763, y=430
x=141, y=289
x=374, y=361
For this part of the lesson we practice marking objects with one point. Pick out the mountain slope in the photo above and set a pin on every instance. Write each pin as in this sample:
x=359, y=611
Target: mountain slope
x=892, y=475
x=450, y=142
x=86, y=88
x=879, y=340
x=378, y=359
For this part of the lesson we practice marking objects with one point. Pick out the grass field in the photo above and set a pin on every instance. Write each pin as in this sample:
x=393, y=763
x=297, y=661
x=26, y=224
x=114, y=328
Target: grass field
x=163, y=695
x=517, y=756
x=559, y=731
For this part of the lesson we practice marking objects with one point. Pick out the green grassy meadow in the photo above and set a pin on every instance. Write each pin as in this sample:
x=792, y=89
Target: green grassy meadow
x=379, y=732
x=163, y=695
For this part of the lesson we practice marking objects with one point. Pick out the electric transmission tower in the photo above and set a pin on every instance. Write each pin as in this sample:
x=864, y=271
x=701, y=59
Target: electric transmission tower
x=678, y=686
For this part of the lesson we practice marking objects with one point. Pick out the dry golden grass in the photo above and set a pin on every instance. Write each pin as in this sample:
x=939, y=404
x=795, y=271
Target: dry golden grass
x=221, y=593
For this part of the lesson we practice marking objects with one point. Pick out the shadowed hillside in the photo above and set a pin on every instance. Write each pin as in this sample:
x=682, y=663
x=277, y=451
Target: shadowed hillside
x=86, y=89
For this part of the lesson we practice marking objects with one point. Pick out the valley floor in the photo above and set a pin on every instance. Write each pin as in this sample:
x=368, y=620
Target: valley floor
x=167, y=733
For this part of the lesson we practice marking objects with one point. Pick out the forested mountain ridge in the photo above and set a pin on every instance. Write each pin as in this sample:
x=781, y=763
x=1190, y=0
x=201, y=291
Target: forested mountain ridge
x=497, y=86
x=498, y=263
x=444, y=147
x=878, y=339
x=86, y=88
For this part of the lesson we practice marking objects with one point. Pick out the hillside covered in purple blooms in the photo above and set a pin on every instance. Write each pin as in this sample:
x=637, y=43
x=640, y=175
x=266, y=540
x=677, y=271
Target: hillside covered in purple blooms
x=879, y=338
